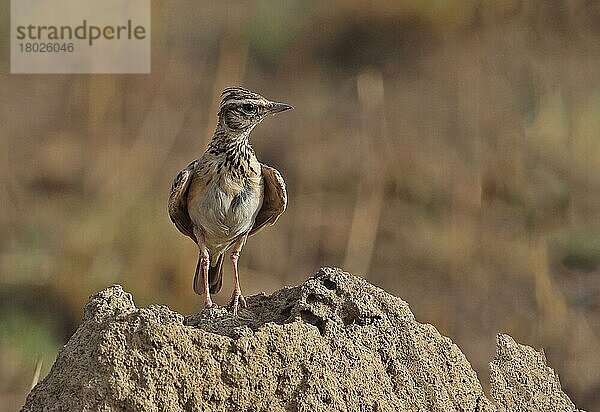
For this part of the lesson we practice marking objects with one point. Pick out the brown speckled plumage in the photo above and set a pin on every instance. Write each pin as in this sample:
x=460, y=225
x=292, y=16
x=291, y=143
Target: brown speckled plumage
x=227, y=195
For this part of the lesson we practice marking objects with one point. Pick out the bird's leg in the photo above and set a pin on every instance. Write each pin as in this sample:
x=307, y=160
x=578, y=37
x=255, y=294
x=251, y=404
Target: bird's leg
x=236, y=295
x=204, y=262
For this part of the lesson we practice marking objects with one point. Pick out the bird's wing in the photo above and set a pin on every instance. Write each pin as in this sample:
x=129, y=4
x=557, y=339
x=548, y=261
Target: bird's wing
x=178, y=211
x=274, y=199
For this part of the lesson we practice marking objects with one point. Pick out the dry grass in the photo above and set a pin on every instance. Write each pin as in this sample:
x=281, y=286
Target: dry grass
x=449, y=152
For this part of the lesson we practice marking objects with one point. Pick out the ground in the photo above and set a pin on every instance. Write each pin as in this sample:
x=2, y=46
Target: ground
x=334, y=342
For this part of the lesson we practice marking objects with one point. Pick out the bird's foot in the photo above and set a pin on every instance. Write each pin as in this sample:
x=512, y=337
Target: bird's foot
x=208, y=303
x=236, y=299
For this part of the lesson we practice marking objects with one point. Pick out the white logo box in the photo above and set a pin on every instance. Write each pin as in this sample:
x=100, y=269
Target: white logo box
x=80, y=36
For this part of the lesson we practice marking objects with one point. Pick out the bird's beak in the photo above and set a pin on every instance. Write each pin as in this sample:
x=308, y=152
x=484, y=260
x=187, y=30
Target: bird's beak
x=279, y=107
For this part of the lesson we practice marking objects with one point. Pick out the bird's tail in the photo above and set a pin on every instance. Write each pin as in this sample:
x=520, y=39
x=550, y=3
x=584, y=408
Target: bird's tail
x=215, y=276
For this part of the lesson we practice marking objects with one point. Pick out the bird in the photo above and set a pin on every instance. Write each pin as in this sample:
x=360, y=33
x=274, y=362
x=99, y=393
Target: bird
x=227, y=195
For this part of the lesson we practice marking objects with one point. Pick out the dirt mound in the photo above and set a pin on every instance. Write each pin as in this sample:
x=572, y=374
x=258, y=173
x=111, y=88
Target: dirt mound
x=334, y=342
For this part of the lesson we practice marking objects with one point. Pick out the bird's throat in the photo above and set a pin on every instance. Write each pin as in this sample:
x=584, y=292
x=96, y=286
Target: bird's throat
x=234, y=152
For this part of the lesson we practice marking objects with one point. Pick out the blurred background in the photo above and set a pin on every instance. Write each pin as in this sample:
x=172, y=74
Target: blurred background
x=448, y=151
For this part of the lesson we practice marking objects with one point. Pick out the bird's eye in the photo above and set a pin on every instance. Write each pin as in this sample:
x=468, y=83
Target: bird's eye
x=249, y=108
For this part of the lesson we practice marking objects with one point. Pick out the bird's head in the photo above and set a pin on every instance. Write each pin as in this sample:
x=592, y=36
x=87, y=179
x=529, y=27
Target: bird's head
x=242, y=109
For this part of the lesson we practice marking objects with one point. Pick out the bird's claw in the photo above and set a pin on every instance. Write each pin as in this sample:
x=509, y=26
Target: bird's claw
x=208, y=303
x=234, y=302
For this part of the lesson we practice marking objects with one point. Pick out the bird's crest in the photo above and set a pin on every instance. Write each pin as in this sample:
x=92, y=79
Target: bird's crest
x=231, y=94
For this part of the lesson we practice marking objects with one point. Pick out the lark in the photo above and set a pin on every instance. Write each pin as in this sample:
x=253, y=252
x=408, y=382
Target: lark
x=227, y=195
